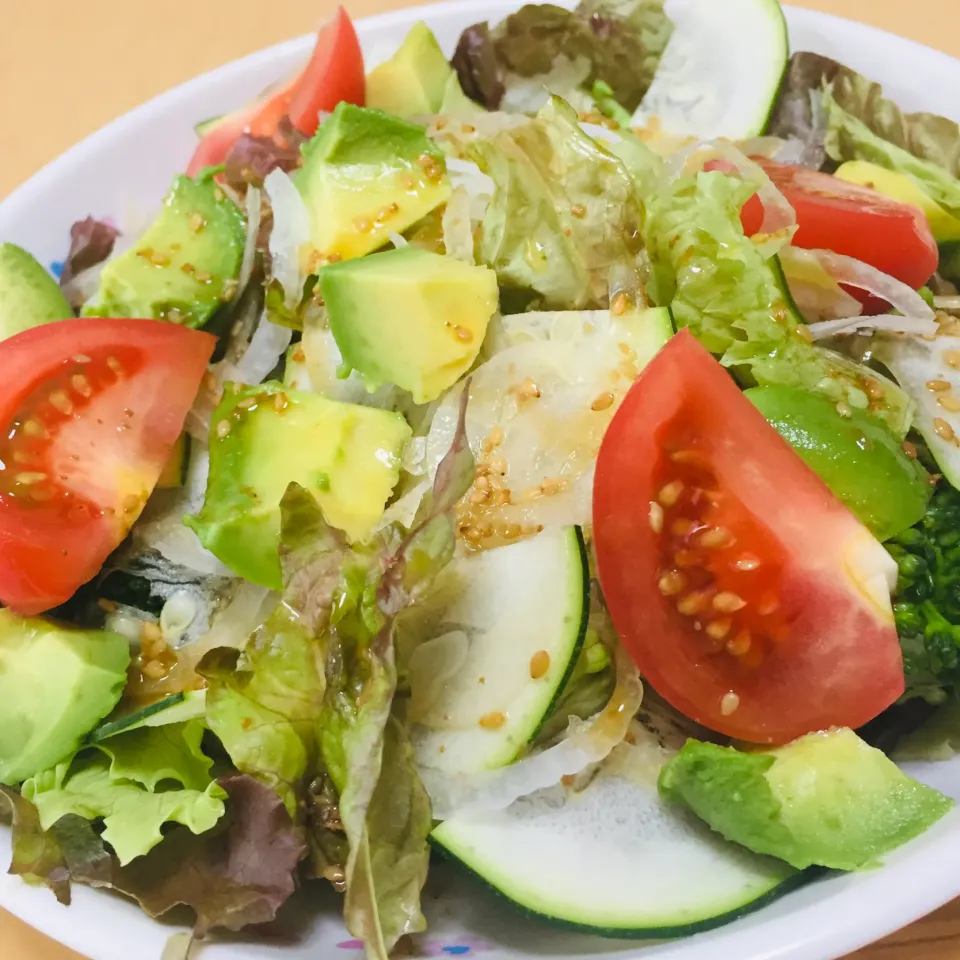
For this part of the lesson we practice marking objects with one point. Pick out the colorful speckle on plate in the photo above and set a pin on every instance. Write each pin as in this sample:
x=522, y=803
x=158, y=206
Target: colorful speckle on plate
x=465, y=947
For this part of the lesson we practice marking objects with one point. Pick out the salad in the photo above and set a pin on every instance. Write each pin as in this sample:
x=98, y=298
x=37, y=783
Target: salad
x=547, y=459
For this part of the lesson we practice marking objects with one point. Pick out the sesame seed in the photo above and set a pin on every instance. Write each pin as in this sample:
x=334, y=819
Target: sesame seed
x=539, y=664
x=496, y=436
x=150, y=630
x=938, y=386
x=656, y=517
x=494, y=720
x=463, y=333
x=203, y=276
x=873, y=388
x=603, y=402
x=511, y=531
x=61, y=402
x=910, y=449
x=248, y=403
x=578, y=210
x=553, y=486
x=670, y=493
x=197, y=223
x=528, y=390
x=153, y=670
x=619, y=305
x=714, y=538
x=498, y=464
x=804, y=334
x=363, y=224
x=844, y=409
x=280, y=402
x=223, y=428
x=729, y=703
x=727, y=602
x=672, y=583
x=718, y=629
x=159, y=259
x=943, y=429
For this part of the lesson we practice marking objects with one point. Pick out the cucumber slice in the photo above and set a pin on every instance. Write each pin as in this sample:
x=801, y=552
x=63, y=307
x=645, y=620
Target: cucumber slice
x=205, y=126
x=721, y=71
x=177, y=708
x=613, y=859
x=915, y=362
x=510, y=623
x=175, y=472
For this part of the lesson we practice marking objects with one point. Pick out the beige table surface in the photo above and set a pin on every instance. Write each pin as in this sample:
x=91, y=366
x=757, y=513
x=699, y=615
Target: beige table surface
x=69, y=66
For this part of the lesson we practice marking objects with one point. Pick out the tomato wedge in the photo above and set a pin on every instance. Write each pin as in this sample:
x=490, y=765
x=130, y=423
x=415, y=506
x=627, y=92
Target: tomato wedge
x=750, y=598
x=852, y=220
x=335, y=73
x=92, y=409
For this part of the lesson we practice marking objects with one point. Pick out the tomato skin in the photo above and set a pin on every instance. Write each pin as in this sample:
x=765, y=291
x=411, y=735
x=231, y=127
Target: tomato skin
x=100, y=450
x=851, y=220
x=836, y=659
x=335, y=73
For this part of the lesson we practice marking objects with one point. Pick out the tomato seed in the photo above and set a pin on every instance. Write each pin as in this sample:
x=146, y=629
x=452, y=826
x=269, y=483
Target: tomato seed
x=671, y=583
x=81, y=384
x=692, y=604
x=718, y=629
x=33, y=428
x=29, y=477
x=727, y=602
x=747, y=563
x=670, y=494
x=602, y=402
x=682, y=527
x=656, y=517
x=740, y=644
x=714, y=538
x=768, y=606
x=729, y=703
x=61, y=402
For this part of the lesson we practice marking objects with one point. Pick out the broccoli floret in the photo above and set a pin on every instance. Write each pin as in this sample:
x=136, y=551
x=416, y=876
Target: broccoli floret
x=927, y=601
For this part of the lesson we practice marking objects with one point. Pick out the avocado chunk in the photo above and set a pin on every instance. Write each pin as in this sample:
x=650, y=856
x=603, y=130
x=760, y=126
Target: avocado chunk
x=29, y=296
x=409, y=317
x=184, y=267
x=417, y=80
x=861, y=462
x=827, y=798
x=899, y=186
x=56, y=683
x=366, y=175
x=262, y=439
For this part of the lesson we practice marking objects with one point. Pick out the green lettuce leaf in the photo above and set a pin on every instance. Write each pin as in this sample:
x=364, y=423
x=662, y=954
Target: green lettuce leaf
x=239, y=873
x=733, y=297
x=118, y=782
x=564, y=210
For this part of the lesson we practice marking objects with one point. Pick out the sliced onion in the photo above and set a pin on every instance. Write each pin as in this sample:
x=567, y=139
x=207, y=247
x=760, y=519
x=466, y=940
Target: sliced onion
x=457, y=795
x=603, y=134
x=890, y=322
x=458, y=227
x=398, y=240
x=774, y=148
x=266, y=348
x=565, y=78
x=779, y=219
x=254, y=208
x=290, y=233
x=947, y=303
x=814, y=290
x=861, y=275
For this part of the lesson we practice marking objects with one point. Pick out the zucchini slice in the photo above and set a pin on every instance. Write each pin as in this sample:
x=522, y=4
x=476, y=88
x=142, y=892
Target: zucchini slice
x=509, y=624
x=612, y=858
x=177, y=708
x=721, y=71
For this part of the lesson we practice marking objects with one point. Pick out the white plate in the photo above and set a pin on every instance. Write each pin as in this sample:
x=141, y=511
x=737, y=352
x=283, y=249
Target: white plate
x=122, y=172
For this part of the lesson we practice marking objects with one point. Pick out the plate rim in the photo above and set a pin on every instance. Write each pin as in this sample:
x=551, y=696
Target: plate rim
x=829, y=929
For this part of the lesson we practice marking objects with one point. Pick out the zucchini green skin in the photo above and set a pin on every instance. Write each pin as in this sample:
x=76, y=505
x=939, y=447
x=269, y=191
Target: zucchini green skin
x=193, y=706
x=665, y=932
x=581, y=635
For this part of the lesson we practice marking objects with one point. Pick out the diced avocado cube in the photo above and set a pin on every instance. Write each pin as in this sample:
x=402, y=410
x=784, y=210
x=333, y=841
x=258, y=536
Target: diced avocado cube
x=366, y=175
x=414, y=81
x=262, y=439
x=827, y=798
x=56, y=684
x=184, y=267
x=855, y=455
x=29, y=296
x=409, y=317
